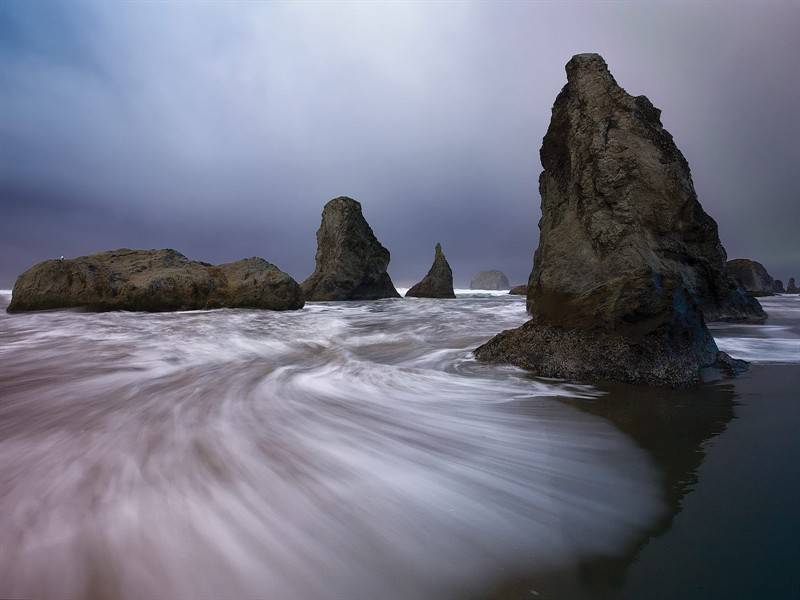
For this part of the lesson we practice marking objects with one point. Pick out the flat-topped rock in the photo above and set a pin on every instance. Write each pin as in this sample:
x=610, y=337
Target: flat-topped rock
x=627, y=261
x=438, y=283
x=154, y=281
x=751, y=276
x=350, y=263
x=489, y=280
x=519, y=290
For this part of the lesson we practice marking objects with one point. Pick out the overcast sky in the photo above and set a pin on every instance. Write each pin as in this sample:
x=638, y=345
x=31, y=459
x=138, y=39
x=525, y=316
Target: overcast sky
x=221, y=129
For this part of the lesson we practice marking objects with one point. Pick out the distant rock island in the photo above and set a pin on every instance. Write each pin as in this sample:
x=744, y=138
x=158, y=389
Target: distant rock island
x=438, y=283
x=351, y=263
x=154, y=281
x=489, y=280
x=752, y=276
x=627, y=261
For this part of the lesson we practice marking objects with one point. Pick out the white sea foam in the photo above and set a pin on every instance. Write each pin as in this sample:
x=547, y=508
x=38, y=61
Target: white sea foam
x=348, y=450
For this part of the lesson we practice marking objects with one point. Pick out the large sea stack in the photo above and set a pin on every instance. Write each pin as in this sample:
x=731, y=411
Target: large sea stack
x=489, y=280
x=351, y=263
x=438, y=283
x=751, y=276
x=155, y=281
x=627, y=259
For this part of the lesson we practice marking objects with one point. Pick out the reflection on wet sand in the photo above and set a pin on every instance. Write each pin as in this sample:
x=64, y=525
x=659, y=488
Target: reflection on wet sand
x=672, y=426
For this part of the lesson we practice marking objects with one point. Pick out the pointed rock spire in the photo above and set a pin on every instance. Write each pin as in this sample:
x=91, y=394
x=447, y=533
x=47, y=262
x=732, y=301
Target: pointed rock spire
x=627, y=261
x=438, y=283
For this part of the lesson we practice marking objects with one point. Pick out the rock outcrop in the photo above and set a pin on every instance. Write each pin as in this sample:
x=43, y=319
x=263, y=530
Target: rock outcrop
x=154, y=281
x=438, y=283
x=777, y=287
x=751, y=276
x=519, y=290
x=627, y=260
x=489, y=280
x=351, y=263
x=792, y=288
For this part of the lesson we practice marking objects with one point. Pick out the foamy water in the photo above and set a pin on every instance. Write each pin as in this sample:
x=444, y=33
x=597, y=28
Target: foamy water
x=777, y=341
x=348, y=450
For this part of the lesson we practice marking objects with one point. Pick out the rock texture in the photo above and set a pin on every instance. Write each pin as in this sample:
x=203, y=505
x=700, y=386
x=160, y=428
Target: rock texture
x=627, y=260
x=792, y=288
x=438, y=283
x=351, y=263
x=489, y=280
x=519, y=290
x=155, y=281
x=751, y=276
x=778, y=288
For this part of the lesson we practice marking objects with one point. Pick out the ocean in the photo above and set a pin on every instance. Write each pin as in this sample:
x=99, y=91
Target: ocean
x=357, y=450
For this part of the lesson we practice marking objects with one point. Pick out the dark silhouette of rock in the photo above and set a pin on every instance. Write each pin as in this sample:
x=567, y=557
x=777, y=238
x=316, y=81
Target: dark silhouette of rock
x=777, y=287
x=350, y=263
x=627, y=258
x=751, y=276
x=155, y=281
x=438, y=283
x=792, y=287
x=489, y=280
x=519, y=290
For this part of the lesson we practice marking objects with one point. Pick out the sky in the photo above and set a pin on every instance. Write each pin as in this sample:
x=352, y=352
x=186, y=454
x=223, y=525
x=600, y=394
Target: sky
x=220, y=129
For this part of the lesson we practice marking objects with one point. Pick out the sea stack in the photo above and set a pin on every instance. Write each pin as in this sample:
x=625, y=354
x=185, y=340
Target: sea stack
x=751, y=276
x=489, y=280
x=438, y=283
x=777, y=287
x=519, y=290
x=626, y=254
x=153, y=281
x=350, y=263
x=791, y=288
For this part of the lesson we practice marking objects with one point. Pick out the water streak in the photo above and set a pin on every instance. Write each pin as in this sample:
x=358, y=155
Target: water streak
x=348, y=450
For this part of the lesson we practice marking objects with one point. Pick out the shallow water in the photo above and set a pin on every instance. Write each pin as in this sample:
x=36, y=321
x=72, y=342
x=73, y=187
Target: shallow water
x=348, y=450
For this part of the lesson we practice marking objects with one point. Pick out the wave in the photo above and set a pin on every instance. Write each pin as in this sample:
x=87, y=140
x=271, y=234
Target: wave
x=347, y=450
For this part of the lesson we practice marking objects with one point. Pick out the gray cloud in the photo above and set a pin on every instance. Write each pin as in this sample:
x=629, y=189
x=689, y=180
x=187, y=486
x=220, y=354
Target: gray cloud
x=221, y=129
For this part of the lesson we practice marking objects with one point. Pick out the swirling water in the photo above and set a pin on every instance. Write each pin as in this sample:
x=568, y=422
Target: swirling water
x=348, y=450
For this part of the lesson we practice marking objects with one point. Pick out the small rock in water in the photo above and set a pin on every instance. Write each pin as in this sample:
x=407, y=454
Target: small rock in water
x=792, y=287
x=752, y=276
x=519, y=290
x=438, y=283
x=489, y=280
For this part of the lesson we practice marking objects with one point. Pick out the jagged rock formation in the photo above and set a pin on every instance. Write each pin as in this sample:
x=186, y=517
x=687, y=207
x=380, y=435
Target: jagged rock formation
x=519, y=290
x=627, y=258
x=438, y=283
x=751, y=276
x=777, y=287
x=351, y=263
x=489, y=280
x=792, y=287
x=154, y=281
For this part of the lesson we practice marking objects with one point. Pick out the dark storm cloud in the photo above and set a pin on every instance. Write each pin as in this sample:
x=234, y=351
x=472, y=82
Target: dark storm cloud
x=221, y=129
